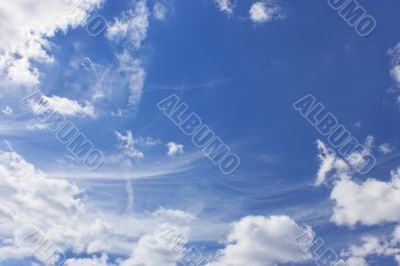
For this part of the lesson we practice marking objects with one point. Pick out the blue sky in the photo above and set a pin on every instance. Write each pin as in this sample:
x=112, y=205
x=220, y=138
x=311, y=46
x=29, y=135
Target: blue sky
x=239, y=66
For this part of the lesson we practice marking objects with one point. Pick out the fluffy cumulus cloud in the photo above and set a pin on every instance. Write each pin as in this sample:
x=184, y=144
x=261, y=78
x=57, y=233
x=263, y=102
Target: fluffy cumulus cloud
x=27, y=27
x=164, y=247
x=264, y=11
x=53, y=207
x=174, y=148
x=362, y=202
x=263, y=241
x=226, y=6
x=358, y=202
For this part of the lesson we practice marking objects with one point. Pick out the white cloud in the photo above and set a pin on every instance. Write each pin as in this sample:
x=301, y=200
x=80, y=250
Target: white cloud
x=60, y=105
x=334, y=167
x=53, y=206
x=174, y=148
x=395, y=72
x=157, y=249
x=173, y=215
x=37, y=126
x=132, y=67
x=69, y=107
x=131, y=27
x=262, y=241
x=25, y=34
x=395, y=59
x=130, y=30
x=58, y=209
x=358, y=202
x=7, y=110
x=126, y=144
x=226, y=6
x=264, y=11
x=159, y=11
x=94, y=261
x=372, y=246
x=362, y=203
x=385, y=148
x=330, y=164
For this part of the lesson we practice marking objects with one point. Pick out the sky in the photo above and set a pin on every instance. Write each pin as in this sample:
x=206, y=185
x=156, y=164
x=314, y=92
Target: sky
x=102, y=109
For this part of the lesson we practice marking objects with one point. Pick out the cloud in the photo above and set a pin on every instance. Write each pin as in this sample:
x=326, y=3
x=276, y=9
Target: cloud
x=132, y=67
x=127, y=144
x=226, y=6
x=358, y=202
x=362, y=203
x=94, y=261
x=330, y=163
x=58, y=210
x=386, y=148
x=357, y=255
x=26, y=31
x=173, y=215
x=7, y=110
x=131, y=27
x=130, y=30
x=262, y=241
x=65, y=106
x=334, y=167
x=264, y=11
x=159, y=11
x=157, y=249
x=174, y=148
x=395, y=59
x=53, y=206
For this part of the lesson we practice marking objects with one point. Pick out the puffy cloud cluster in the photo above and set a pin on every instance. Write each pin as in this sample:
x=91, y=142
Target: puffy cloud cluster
x=174, y=148
x=369, y=202
x=54, y=206
x=263, y=241
x=27, y=27
x=264, y=11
